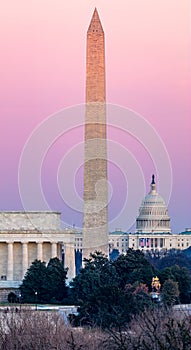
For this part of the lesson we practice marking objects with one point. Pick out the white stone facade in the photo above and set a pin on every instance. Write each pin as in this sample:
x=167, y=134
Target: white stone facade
x=116, y=240
x=26, y=236
x=160, y=241
x=29, y=221
x=122, y=241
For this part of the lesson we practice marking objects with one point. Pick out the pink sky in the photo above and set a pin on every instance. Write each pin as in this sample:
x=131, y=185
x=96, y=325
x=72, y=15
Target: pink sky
x=42, y=71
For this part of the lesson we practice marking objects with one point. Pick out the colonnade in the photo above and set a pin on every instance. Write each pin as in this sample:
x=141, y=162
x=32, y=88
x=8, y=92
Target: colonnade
x=69, y=257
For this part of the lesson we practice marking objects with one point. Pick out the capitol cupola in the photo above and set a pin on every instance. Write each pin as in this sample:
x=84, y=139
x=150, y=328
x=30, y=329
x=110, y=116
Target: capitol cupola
x=153, y=213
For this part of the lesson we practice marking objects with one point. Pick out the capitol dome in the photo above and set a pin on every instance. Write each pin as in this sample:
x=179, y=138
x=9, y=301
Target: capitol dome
x=153, y=213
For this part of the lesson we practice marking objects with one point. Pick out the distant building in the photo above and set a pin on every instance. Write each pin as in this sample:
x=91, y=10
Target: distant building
x=26, y=236
x=153, y=213
x=160, y=241
x=153, y=230
x=118, y=240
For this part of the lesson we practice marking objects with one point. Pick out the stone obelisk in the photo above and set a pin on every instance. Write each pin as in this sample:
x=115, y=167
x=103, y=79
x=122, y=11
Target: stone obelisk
x=95, y=222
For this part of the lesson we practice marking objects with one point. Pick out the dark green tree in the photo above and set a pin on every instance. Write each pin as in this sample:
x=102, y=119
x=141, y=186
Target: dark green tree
x=142, y=297
x=170, y=292
x=167, y=258
x=44, y=284
x=95, y=290
x=175, y=257
x=33, y=286
x=101, y=291
x=55, y=282
x=182, y=276
x=134, y=267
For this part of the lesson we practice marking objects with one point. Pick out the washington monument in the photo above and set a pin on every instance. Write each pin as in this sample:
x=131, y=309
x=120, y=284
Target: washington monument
x=95, y=221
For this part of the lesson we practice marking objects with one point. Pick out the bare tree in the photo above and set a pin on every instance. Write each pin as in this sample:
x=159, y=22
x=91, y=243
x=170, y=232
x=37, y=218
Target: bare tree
x=39, y=330
x=159, y=329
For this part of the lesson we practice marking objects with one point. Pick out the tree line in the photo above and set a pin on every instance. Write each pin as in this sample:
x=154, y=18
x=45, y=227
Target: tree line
x=108, y=293
x=159, y=329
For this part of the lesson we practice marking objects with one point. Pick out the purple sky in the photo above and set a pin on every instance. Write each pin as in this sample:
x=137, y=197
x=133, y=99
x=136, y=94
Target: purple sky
x=42, y=71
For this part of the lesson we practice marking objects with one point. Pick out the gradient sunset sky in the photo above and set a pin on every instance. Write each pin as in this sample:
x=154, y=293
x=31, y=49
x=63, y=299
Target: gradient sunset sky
x=42, y=71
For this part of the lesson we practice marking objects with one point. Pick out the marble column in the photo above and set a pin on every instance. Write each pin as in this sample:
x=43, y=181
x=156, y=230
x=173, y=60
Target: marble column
x=69, y=260
x=10, y=261
x=39, y=251
x=54, y=250
x=24, y=258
